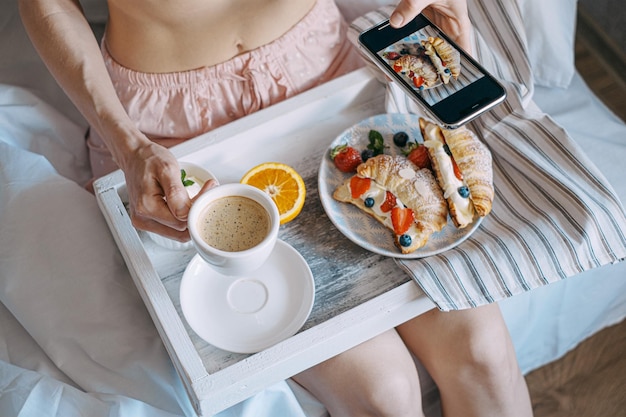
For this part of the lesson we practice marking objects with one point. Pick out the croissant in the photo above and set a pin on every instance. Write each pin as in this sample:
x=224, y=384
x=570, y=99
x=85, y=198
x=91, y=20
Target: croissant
x=416, y=188
x=475, y=163
x=406, y=200
x=449, y=56
x=420, y=70
x=463, y=167
x=444, y=73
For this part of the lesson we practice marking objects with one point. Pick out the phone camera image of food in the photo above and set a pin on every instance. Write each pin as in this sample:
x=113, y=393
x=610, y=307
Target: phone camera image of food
x=447, y=82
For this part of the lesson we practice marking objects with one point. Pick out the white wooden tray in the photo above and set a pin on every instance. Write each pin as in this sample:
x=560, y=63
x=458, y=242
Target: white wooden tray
x=358, y=294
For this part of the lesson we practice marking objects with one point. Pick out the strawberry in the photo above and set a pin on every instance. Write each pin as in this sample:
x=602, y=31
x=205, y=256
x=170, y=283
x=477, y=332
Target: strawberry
x=457, y=171
x=392, y=55
x=359, y=186
x=401, y=219
x=418, y=81
x=389, y=203
x=418, y=154
x=346, y=158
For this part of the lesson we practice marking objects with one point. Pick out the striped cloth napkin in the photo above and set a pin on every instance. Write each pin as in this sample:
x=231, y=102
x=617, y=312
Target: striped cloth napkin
x=554, y=215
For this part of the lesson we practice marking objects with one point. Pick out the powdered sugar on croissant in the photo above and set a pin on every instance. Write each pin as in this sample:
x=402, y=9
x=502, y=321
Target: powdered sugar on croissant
x=423, y=71
x=463, y=167
x=416, y=188
x=475, y=163
x=406, y=200
x=450, y=57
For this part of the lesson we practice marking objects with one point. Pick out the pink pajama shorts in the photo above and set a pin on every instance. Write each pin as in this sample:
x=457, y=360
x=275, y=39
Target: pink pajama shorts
x=172, y=107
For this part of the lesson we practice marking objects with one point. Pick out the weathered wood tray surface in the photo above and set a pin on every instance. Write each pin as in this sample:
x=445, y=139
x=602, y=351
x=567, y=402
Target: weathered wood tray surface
x=358, y=294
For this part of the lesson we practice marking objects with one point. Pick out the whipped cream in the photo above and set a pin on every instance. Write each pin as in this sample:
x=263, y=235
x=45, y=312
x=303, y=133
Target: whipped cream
x=193, y=189
x=379, y=194
x=451, y=184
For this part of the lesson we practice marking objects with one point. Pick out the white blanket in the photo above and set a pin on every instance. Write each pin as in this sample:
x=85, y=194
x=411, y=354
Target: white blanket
x=76, y=337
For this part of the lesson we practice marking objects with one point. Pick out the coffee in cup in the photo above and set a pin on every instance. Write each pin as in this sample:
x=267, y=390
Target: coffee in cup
x=234, y=227
x=234, y=223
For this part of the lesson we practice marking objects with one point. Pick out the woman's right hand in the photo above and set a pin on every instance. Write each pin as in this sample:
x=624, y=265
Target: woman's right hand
x=158, y=200
x=449, y=15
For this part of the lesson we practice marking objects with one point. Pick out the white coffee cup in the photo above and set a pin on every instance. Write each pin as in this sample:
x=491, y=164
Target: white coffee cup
x=234, y=227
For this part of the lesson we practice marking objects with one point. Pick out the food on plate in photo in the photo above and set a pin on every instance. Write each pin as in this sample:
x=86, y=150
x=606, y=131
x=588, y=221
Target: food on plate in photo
x=427, y=63
x=420, y=70
x=445, y=58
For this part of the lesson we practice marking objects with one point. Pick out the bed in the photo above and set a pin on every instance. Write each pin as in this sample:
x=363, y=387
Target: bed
x=68, y=346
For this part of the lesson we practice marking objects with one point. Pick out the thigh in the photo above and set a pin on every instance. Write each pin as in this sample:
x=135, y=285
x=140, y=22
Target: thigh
x=378, y=377
x=438, y=337
x=471, y=357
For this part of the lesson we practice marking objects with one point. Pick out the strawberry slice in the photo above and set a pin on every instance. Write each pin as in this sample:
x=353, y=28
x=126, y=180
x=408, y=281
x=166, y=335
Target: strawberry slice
x=457, y=171
x=359, y=186
x=401, y=219
x=389, y=203
x=418, y=81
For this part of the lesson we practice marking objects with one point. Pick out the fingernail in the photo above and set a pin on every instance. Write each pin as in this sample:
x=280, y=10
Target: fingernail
x=182, y=213
x=396, y=19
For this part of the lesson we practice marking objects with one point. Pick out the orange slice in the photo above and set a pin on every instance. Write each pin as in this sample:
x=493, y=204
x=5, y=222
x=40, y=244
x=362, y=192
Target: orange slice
x=282, y=183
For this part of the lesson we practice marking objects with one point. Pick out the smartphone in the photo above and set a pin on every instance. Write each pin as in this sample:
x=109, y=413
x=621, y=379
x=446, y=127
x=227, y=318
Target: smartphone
x=436, y=73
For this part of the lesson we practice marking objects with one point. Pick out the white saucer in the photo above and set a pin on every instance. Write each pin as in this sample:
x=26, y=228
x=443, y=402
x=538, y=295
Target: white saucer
x=249, y=313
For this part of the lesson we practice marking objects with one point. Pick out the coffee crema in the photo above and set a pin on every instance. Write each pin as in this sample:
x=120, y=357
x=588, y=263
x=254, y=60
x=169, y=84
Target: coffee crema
x=234, y=223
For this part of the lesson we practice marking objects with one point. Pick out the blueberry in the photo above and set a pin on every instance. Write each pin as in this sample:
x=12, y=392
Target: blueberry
x=463, y=191
x=405, y=240
x=400, y=139
x=447, y=149
x=369, y=202
x=366, y=154
x=447, y=71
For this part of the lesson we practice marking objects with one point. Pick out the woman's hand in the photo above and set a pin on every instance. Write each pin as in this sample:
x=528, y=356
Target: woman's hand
x=449, y=15
x=158, y=200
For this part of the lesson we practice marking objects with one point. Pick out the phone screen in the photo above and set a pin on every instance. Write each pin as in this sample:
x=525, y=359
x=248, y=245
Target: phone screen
x=452, y=86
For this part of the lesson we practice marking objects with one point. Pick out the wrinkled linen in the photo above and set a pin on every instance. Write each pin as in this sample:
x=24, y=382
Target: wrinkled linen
x=554, y=215
x=75, y=336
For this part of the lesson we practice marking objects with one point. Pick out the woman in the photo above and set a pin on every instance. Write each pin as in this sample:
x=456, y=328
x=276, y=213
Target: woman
x=169, y=71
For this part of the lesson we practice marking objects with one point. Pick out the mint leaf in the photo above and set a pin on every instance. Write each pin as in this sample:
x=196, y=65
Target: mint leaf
x=183, y=177
x=377, y=142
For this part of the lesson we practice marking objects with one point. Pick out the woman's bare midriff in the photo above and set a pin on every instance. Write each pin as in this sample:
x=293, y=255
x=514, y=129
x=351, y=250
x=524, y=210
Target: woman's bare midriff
x=157, y=36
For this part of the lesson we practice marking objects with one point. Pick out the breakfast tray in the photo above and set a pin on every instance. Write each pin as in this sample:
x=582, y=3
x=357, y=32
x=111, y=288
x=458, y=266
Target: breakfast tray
x=358, y=295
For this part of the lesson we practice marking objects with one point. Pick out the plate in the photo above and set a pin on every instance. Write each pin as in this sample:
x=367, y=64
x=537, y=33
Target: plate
x=361, y=228
x=247, y=314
